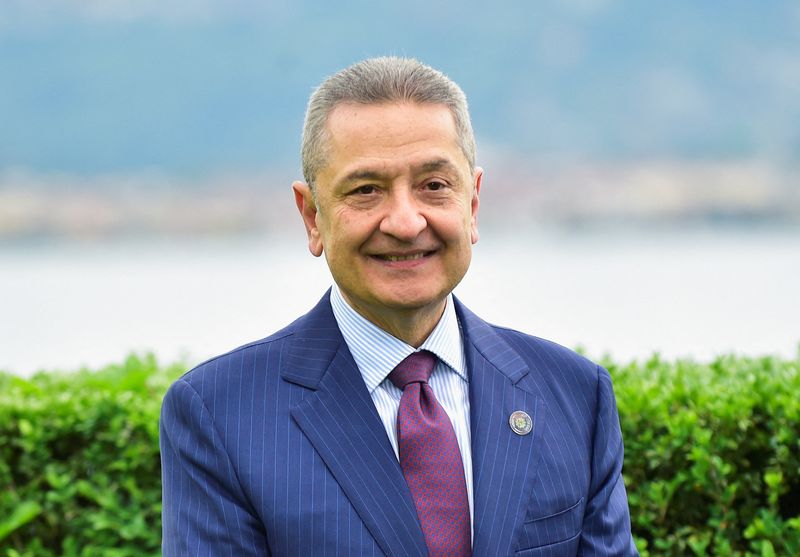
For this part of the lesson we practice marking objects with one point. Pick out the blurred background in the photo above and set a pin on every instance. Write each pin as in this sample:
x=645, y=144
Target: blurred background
x=641, y=190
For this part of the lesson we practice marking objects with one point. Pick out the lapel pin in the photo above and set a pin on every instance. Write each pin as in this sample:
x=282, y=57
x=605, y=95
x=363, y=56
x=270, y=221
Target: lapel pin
x=520, y=422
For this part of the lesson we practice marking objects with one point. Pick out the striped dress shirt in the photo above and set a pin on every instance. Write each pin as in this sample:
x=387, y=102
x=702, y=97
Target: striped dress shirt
x=376, y=354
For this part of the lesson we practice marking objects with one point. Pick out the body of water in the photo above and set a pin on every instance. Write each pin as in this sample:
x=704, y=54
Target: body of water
x=681, y=293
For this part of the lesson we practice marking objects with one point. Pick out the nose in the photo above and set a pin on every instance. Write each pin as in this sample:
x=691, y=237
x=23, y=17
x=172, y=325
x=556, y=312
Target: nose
x=403, y=219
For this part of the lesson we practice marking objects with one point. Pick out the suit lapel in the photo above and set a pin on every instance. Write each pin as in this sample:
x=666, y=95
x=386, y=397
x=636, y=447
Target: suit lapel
x=339, y=419
x=504, y=463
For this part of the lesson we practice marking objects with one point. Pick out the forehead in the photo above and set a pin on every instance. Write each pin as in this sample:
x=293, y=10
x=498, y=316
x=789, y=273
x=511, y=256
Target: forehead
x=390, y=134
x=344, y=117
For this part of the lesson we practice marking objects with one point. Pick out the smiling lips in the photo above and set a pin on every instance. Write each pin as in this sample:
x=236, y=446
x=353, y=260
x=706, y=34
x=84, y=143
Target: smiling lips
x=407, y=257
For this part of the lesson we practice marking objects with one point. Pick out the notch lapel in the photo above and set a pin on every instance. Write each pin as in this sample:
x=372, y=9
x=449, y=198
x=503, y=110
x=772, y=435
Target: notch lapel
x=340, y=420
x=504, y=463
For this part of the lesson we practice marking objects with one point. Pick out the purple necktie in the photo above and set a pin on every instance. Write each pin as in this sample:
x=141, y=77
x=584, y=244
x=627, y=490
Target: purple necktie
x=431, y=460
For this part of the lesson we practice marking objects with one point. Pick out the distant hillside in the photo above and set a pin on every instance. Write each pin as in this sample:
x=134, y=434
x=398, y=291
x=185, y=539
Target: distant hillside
x=219, y=86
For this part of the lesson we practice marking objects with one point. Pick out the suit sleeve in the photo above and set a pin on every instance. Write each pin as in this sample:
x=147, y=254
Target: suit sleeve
x=205, y=511
x=606, y=523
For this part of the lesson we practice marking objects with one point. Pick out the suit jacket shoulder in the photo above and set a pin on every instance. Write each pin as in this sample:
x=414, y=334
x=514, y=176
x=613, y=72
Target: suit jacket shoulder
x=553, y=371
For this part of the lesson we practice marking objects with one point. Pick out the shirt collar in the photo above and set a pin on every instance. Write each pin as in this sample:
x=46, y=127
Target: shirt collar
x=376, y=352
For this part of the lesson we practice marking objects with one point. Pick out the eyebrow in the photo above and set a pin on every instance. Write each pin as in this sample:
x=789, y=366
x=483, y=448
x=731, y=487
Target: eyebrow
x=438, y=164
x=429, y=166
x=362, y=175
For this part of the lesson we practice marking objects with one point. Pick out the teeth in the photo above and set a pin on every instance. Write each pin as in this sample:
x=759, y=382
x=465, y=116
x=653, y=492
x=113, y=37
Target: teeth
x=404, y=257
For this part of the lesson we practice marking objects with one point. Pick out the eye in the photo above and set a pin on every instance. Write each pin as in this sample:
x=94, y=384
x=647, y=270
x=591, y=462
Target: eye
x=434, y=185
x=365, y=190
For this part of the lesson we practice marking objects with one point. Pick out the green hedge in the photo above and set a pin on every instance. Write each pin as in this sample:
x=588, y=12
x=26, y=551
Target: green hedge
x=712, y=455
x=80, y=473
x=712, y=458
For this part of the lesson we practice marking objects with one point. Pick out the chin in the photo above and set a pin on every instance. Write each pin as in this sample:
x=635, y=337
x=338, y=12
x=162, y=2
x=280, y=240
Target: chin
x=411, y=300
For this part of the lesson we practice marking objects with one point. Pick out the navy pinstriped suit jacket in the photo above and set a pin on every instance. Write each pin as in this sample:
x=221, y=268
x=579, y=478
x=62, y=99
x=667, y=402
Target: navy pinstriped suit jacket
x=276, y=449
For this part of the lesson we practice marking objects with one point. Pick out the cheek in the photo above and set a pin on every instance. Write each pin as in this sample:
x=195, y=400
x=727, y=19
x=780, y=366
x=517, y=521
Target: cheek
x=351, y=230
x=452, y=228
x=339, y=238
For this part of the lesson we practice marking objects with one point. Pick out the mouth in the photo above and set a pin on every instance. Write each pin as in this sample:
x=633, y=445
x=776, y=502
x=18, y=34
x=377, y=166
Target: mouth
x=403, y=257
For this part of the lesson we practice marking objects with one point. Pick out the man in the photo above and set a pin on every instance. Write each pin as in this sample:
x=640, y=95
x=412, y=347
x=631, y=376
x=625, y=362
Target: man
x=390, y=420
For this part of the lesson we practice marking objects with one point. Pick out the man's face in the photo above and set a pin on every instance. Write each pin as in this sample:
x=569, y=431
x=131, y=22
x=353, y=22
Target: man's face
x=396, y=208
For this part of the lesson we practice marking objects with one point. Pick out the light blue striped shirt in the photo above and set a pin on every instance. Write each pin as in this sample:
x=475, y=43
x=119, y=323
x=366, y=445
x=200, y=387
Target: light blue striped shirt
x=376, y=353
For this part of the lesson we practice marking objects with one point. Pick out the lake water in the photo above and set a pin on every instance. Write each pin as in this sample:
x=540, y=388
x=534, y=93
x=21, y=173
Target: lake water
x=694, y=293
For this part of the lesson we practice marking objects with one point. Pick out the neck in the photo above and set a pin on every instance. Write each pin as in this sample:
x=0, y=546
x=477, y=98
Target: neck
x=411, y=325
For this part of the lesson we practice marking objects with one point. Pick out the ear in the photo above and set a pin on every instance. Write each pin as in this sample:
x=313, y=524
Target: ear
x=475, y=203
x=308, y=211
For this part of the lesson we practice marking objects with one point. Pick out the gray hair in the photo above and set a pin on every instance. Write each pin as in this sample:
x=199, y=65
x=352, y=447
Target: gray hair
x=381, y=80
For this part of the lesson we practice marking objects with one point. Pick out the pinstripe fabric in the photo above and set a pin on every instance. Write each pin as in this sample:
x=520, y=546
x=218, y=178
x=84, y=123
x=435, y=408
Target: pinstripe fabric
x=557, y=491
x=376, y=353
x=277, y=449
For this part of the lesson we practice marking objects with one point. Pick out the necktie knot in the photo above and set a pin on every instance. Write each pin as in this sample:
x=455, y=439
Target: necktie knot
x=416, y=368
